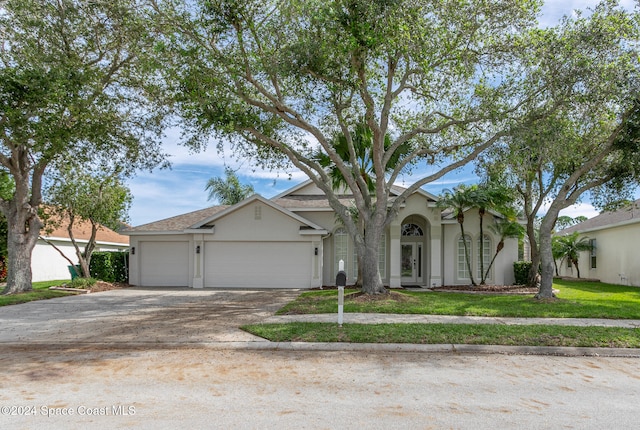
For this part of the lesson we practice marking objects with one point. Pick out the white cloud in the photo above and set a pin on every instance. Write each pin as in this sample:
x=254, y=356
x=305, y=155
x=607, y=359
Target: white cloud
x=553, y=10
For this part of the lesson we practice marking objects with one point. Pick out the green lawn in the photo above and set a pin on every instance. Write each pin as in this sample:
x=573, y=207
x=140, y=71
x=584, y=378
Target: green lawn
x=40, y=292
x=476, y=334
x=575, y=300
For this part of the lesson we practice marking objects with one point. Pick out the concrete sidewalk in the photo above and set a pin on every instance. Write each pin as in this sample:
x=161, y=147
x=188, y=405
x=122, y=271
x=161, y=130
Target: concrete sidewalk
x=373, y=318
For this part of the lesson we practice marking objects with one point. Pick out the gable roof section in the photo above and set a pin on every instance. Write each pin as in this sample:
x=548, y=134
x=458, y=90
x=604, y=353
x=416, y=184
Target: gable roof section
x=176, y=224
x=396, y=190
x=256, y=197
x=624, y=216
x=291, y=199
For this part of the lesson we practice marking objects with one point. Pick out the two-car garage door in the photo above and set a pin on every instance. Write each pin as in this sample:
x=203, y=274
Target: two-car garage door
x=228, y=264
x=257, y=265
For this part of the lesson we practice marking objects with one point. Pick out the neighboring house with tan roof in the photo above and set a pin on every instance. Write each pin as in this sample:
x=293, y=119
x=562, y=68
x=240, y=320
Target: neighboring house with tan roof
x=46, y=262
x=615, y=254
x=294, y=241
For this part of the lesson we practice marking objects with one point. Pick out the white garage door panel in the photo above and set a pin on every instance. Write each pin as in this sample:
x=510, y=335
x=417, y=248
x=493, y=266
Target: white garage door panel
x=164, y=264
x=257, y=265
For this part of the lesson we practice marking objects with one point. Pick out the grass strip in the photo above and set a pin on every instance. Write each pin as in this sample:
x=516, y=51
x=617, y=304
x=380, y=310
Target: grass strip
x=575, y=300
x=475, y=334
x=40, y=291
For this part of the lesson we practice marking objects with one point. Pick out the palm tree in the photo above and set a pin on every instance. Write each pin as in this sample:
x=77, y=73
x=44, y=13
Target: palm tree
x=458, y=200
x=507, y=227
x=362, y=142
x=570, y=246
x=557, y=252
x=228, y=191
x=487, y=197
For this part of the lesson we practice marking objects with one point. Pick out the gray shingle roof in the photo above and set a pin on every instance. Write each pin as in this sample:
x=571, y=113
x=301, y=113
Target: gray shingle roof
x=179, y=222
x=606, y=219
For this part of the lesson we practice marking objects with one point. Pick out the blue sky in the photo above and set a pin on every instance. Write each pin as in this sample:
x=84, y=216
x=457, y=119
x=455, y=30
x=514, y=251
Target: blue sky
x=164, y=193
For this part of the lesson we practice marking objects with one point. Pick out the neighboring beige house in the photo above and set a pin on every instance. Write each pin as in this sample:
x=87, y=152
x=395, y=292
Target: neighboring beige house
x=294, y=241
x=615, y=257
x=46, y=262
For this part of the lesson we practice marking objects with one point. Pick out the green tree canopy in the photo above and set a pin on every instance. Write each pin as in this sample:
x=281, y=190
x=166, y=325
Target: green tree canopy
x=280, y=79
x=76, y=195
x=589, y=136
x=74, y=84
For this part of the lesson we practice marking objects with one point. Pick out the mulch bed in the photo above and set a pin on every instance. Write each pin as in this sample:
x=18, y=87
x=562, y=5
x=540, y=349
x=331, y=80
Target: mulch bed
x=106, y=286
x=98, y=287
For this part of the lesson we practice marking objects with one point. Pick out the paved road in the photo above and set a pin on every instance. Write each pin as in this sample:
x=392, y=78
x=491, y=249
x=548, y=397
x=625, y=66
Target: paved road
x=81, y=361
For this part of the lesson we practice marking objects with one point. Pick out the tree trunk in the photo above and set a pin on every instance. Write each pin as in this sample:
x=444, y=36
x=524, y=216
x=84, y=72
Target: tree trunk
x=535, y=253
x=481, y=213
x=499, y=248
x=84, y=257
x=575, y=263
x=371, y=280
x=24, y=229
x=466, y=253
x=546, y=254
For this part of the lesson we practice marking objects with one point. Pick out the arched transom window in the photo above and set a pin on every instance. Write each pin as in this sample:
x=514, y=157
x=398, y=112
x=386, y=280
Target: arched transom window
x=411, y=230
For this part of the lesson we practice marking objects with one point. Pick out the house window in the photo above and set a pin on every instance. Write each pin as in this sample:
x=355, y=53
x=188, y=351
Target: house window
x=354, y=274
x=592, y=253
x=340, y=247
x=382, y=256
x=411, y=230
x=461, y=263
x=486, y=255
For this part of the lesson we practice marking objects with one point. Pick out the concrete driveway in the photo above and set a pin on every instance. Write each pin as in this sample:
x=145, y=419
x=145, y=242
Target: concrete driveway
x=142, y=359
x=138, y=315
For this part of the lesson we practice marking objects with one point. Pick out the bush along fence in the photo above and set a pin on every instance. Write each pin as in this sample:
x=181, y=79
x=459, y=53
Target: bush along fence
x=110, y=266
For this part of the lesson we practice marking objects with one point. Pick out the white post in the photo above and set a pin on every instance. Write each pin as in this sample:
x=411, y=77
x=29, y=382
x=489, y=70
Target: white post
x=340, y=295
x=340, y=305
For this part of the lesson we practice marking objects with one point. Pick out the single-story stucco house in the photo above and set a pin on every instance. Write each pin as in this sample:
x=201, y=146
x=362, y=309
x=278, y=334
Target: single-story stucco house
x=293, y=240
x=615, y=256
x=46, y=262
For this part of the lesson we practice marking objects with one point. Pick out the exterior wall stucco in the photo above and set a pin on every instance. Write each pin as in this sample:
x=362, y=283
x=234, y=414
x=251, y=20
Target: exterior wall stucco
x=502, y=270
x=257, y=222
x=617, y=256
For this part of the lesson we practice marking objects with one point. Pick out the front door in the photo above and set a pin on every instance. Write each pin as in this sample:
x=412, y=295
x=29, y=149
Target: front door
x=411, y=263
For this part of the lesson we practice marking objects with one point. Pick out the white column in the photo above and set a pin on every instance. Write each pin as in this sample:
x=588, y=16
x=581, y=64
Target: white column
x=198, y=261
x=436, y=256
x=394, y=256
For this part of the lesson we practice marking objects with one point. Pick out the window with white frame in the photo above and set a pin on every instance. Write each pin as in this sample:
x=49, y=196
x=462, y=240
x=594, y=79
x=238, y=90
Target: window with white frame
x=461, y=263
x=382, y=256
x=592, y=253
x=486, y=255
x=340, y=248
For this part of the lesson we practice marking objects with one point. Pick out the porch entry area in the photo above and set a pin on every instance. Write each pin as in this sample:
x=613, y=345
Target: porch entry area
x=414, y=237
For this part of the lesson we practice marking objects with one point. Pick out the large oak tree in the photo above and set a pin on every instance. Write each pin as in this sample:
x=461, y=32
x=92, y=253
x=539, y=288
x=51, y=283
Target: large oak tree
x=71, y=86
x=590, y=138
x=279, y=79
